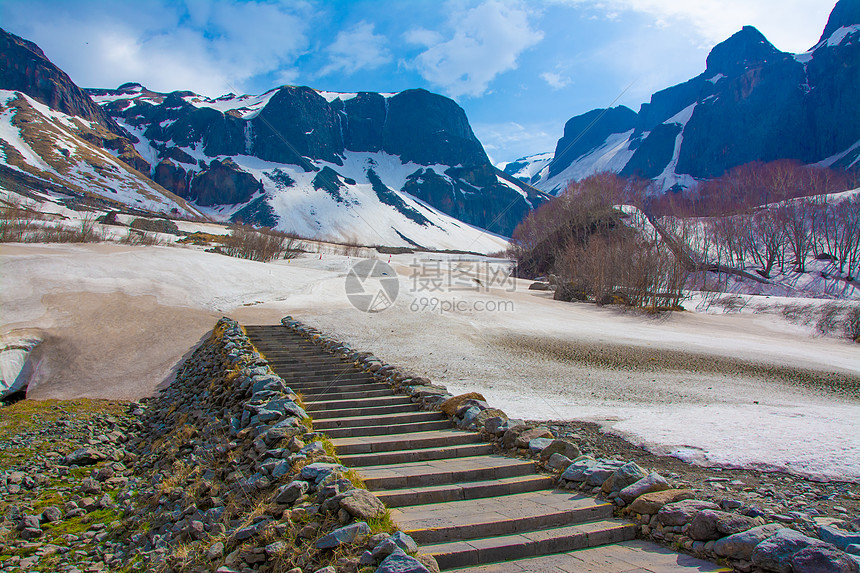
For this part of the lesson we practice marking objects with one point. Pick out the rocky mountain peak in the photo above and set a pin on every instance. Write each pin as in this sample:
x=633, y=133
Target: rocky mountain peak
x=845, y=13
x=25, y=68
x=744, y=49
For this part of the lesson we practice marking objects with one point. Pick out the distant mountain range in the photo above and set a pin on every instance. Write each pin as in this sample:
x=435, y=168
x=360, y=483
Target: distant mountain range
x=752, y=103
x=395, y=169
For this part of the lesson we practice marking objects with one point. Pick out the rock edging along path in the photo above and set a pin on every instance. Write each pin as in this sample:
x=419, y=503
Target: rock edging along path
x=446, y=488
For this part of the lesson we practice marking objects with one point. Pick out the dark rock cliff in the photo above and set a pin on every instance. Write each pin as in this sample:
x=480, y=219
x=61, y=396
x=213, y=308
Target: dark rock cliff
x=753, y=102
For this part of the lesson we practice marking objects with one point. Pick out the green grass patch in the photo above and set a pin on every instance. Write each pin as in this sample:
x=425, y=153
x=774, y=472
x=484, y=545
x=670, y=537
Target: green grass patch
x=78, y=525
x=48, y=499
x=382, y=524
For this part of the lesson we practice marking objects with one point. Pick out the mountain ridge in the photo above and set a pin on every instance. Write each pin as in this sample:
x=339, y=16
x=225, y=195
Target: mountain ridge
x=402, y=169
x=753, y=102
x=181, y=134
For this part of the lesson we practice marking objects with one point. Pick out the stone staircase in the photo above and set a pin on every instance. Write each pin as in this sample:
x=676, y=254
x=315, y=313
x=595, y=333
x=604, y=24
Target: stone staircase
x=446, y=488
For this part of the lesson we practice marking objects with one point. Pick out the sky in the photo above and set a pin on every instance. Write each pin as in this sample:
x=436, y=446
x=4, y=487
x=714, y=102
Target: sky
x=520, y=69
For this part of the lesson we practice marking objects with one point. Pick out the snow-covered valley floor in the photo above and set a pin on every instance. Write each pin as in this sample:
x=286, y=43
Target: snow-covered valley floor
x=729, y=389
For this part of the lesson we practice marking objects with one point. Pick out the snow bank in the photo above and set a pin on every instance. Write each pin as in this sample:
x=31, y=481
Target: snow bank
x=15, y=367
x=124, y=302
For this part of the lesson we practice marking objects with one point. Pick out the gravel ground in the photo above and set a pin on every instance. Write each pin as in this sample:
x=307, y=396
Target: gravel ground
x=776, y=493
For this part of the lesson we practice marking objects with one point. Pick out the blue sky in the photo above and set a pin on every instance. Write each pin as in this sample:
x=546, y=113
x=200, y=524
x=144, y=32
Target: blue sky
x=519, y=69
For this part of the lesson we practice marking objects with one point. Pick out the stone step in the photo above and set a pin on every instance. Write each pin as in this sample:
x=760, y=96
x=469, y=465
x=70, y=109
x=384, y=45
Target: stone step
x=628, y=556
x=416, y=455
x=309, y=375
x=289, y=350
x=530, y=543
x=465, y=490
x=377, y=420
x=388, y=429
x=303, y=366
x=287, y=341
x=333, y=382
x=367, y=411
x=348, y=395
x=305, y=370
x=335, y=405
x=438, y=472
x=293, y=349
x=388, y=443
x=506, y=515
x=334, y=386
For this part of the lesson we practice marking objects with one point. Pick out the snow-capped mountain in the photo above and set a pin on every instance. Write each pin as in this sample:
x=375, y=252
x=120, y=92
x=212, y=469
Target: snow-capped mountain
x=752, y=103
x=399, y=169
x=45, y=150
x=54, y=138
x=377, y=168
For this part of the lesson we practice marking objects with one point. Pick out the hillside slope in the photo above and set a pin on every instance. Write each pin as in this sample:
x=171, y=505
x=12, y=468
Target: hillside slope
x=43, y=150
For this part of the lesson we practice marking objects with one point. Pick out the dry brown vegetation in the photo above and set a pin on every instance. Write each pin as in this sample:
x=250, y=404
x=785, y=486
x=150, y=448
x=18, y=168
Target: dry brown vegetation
x=580, y=238
x=20, y=223
x=262, y=245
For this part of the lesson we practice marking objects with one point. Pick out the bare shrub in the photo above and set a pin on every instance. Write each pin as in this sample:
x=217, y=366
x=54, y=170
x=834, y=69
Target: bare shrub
x=851, y=325
x=732, y=303
x=351, y=248
x=624, y=268
x=829, y=317
x=293, y=247
x=141, y=238
x=798, y=313
x=584, y=209
x=247, y=242
x=16, y=220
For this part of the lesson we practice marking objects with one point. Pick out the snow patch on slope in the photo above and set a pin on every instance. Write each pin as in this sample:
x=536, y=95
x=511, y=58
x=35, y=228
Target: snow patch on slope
x=530, y=165
x=669, y=178
x=247, y=106
x=74, y=163
x=358, y=213
x=613, y=155
x=345, y=96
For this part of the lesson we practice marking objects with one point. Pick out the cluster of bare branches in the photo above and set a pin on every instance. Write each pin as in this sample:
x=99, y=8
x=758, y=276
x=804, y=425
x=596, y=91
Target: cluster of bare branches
x=781, y=236
x=624, y=268
x=21, y=223
x=584, y=209
x=262, y=245
x=750, y=186
x=580, y=238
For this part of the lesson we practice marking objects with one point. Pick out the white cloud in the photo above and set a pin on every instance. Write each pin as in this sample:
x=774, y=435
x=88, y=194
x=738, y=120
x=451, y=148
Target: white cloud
x=555, y=80
x=423, y=37
x=210, y=48
x=483, y=42
x=791, y=25
x=356, y=49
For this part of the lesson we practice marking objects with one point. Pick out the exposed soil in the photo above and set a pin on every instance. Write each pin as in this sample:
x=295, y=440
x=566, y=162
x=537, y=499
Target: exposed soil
x=640, y=359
